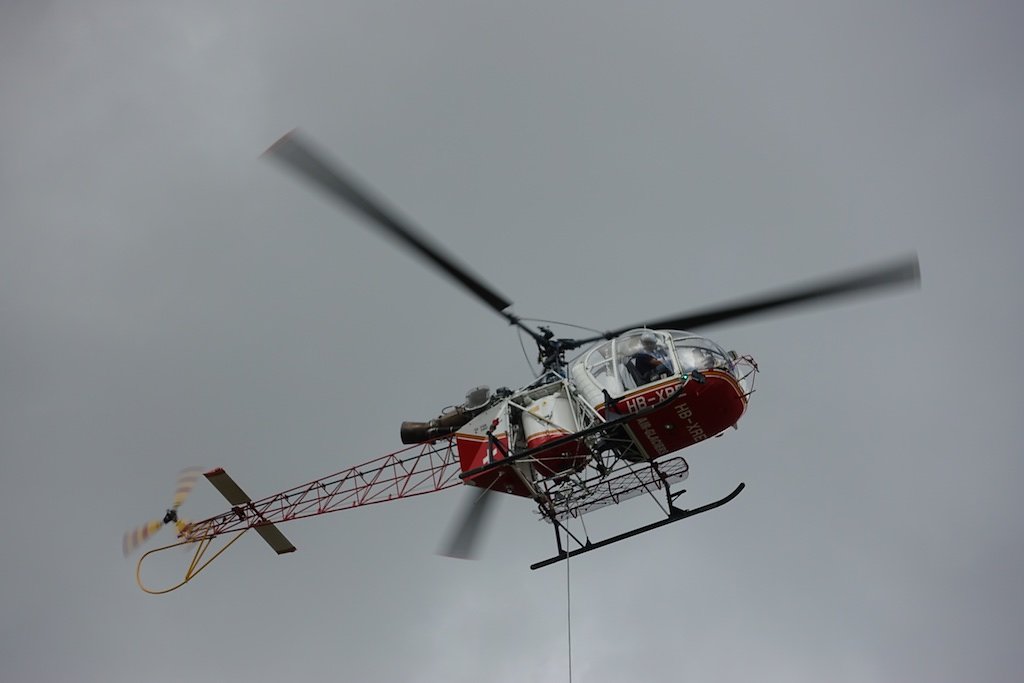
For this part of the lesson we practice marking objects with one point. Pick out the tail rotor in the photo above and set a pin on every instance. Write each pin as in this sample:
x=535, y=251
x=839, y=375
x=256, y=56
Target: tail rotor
x=136, y=537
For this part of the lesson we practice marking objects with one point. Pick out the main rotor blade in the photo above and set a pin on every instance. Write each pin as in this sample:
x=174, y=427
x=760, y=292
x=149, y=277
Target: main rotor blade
x=343, y=186
x=462, y=543
x=903, y=272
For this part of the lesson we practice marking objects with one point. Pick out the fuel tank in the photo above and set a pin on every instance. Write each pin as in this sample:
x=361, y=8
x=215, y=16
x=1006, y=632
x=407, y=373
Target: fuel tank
x=548, y=419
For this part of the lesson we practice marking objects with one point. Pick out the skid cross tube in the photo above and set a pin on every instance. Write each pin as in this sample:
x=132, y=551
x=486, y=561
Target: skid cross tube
x=675, y=515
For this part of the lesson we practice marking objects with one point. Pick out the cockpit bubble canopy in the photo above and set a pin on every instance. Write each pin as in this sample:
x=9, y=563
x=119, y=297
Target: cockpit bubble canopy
x=640, y=357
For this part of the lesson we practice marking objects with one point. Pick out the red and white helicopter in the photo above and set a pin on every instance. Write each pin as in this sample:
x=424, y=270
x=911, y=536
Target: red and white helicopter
x=601, y=424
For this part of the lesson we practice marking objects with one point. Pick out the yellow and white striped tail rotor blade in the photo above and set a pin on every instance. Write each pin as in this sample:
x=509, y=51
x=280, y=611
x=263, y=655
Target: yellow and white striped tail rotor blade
x=136, y=537
x=186, y=480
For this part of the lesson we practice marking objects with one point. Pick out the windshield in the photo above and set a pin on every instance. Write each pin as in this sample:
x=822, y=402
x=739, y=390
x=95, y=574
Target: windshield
x=641, y=357
x=699, y=353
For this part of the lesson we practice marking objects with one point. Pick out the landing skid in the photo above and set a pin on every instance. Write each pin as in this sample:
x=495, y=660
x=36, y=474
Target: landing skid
x=675, y=515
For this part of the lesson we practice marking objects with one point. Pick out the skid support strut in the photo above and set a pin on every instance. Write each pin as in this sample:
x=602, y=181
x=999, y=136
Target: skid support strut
x=675, y=515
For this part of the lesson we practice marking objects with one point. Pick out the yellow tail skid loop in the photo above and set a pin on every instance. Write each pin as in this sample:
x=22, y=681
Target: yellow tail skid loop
x=197, y=564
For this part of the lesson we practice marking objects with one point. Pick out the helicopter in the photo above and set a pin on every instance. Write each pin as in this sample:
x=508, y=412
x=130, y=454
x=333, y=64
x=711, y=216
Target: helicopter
x=602, y=423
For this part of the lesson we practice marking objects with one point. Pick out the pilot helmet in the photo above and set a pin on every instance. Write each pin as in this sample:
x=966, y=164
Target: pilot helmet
x=649, y=340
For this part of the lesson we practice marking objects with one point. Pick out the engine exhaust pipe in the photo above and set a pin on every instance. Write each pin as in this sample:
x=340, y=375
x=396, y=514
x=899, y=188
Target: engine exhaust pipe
x=416, y=432
x=447, y=423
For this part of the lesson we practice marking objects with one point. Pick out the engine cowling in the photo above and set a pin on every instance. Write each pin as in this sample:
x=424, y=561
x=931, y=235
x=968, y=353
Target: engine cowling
x=449, y=421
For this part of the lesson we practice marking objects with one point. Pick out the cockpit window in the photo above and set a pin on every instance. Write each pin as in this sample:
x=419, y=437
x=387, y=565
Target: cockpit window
x=645, y=356
x=601, y=366
x=699, y=354
x=641, y=357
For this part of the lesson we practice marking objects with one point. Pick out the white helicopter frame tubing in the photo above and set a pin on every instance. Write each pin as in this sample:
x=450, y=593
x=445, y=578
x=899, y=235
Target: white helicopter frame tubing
x=594, y=432
x=585, y=417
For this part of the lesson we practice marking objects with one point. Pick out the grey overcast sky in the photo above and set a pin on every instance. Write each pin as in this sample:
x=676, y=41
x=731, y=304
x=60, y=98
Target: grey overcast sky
x=169, y=299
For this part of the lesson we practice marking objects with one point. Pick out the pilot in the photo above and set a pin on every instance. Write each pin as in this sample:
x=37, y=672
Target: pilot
x=651, y=362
